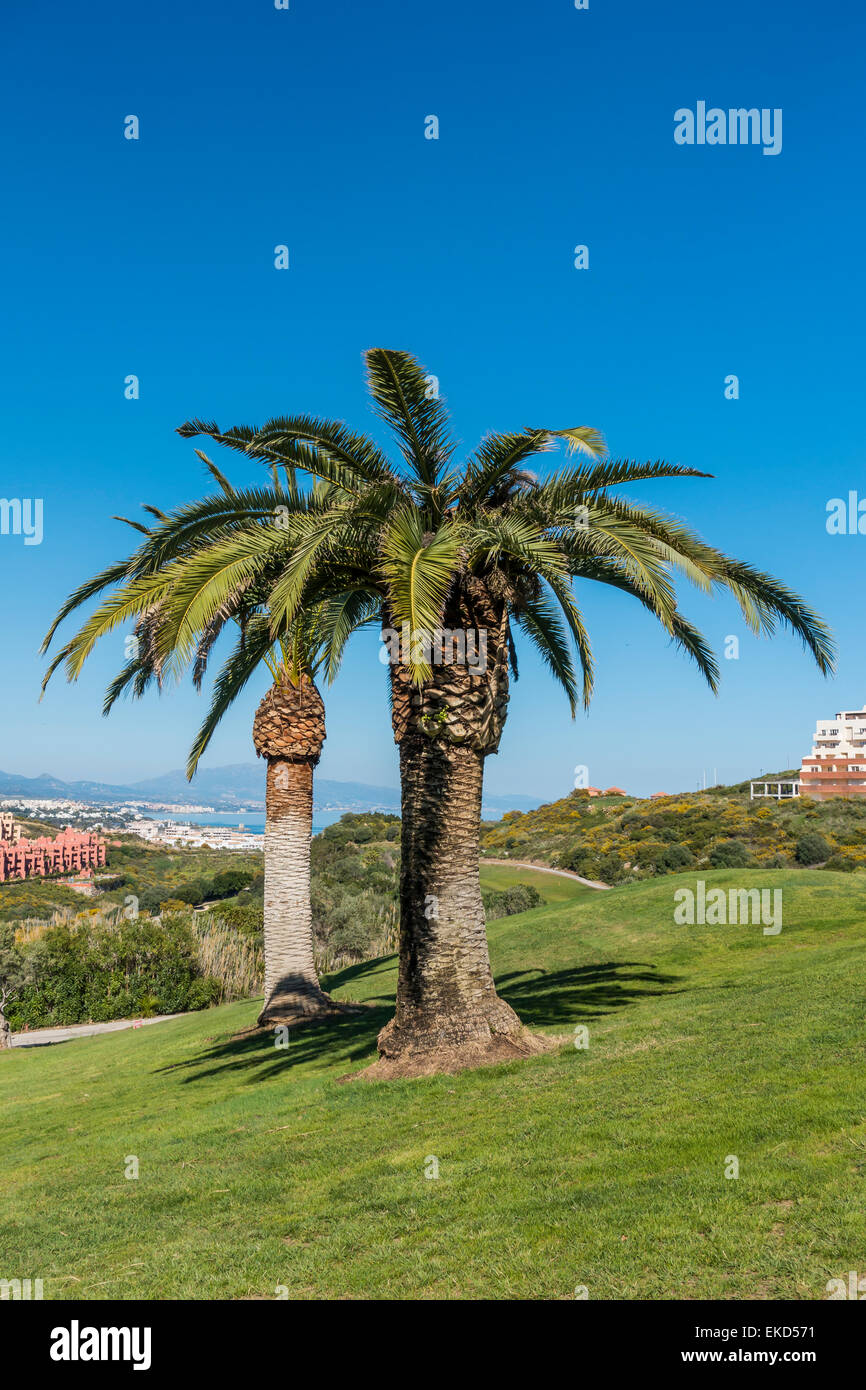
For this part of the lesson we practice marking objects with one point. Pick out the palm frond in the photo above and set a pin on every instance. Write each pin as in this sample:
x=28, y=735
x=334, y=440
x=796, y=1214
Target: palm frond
x=401, y=394
x=339, y=618
x=419, y=570
x=539, y=619
x=113, y=575
x=582, y=439
x=497, y=457
x=252, y=647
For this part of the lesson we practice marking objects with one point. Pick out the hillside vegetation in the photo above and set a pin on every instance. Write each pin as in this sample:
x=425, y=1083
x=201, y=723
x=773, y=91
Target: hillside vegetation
x=619, y=839
x=602, y=1167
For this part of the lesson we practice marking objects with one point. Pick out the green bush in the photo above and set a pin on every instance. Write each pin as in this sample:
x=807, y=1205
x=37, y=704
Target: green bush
x=578, y=859
x=94, y=971
x=247, y=918
x=729, y=854
x=203, y=993
x=841, y=864
x=229, y=882
x=812, y=848
x=520, y=897
x=672, y=857
x=610, y=869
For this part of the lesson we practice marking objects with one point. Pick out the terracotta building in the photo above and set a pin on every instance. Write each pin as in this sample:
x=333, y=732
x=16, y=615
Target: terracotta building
x=70, y=852
x=837, y=763
x=10, y=830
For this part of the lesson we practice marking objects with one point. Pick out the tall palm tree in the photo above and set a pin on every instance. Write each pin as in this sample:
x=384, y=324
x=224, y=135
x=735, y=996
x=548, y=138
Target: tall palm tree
x=288, y=731
x=450, y=553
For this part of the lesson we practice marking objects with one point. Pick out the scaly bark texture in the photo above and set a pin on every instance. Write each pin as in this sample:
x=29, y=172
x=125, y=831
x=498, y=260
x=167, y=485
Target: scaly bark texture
x=448, y=1015
x=289, y=731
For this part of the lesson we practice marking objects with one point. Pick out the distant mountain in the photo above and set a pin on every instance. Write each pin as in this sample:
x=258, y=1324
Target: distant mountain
x=243, y=784
x=45, y=785
x=232, y=787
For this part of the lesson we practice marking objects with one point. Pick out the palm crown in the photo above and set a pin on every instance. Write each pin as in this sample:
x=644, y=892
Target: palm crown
x=399, y=541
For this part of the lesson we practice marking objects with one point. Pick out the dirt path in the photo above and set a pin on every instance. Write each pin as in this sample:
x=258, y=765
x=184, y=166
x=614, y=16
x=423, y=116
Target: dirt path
x=40, y=1037
x=544, y=869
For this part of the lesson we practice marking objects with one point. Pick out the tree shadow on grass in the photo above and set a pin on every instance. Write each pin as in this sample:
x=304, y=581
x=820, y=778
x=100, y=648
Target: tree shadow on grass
x=542, y=999
x=346, y=1039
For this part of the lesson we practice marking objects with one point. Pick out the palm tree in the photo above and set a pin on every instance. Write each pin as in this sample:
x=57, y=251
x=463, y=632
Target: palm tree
x=288, y=731
x=449, y=554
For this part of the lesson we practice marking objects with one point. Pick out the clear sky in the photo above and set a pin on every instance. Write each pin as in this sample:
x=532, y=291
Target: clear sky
x=259, y=127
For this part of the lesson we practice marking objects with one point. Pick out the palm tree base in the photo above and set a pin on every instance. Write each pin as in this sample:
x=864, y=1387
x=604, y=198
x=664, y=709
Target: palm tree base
x=453, y=1047
x=304, y=1006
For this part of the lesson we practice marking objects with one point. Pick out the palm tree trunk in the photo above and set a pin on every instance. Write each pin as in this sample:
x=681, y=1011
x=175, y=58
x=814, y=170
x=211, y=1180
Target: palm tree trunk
x=448, y=1015
x=292, y=990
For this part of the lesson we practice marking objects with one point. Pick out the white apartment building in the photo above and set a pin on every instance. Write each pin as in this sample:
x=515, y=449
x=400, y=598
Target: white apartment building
x=197, y=836
x=837, y=763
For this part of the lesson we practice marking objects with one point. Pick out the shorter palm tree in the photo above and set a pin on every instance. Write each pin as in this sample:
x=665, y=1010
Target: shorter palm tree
x=288, y=732
x=289, y=726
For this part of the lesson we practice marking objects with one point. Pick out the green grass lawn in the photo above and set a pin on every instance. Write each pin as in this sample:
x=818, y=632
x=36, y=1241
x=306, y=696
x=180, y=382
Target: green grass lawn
x=602, y=1167
x=552, y=887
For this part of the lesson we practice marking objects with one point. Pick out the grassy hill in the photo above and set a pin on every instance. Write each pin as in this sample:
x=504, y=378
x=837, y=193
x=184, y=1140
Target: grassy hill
x=554, y=888
x=618, y=839
x=602, y=1167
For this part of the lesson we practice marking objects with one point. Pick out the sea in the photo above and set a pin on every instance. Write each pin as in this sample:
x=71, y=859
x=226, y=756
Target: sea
x=253, y=822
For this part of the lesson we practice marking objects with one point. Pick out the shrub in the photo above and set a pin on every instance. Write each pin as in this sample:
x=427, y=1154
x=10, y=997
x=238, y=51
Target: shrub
x=812, y=848
x=841, y=864
x=578, y=859
x=229, y=882
x=610, y=869
x=204, y=992
x=194, y=892
x=246, y=918
x=95, y=970
x=729, y=854
x=520, y=897
x=672, y=857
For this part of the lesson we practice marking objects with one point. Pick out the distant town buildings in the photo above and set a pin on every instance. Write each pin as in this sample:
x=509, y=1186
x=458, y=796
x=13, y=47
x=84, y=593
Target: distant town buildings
x=197, y=836
x=73, y=851
x=837, y=763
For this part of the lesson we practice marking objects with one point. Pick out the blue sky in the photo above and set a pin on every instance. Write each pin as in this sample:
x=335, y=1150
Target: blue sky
x=306, y=127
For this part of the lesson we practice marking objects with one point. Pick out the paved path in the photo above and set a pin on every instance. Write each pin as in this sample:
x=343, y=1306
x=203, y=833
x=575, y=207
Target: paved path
x=544, y=869
x=39, y=1037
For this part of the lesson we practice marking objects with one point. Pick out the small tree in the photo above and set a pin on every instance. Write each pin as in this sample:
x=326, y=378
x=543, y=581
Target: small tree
x=812, y=848
x=729, y=854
